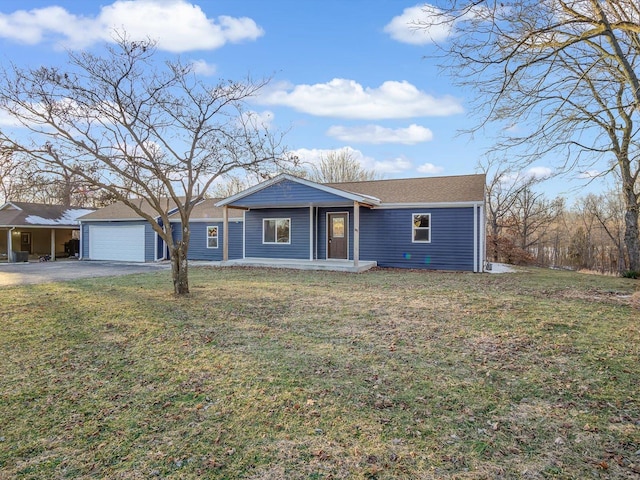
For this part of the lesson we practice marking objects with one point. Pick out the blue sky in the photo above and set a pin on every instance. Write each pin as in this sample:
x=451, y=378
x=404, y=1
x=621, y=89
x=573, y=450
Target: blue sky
x=346, y=74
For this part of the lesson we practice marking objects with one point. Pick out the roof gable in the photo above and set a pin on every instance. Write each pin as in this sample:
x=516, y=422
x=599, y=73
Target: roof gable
x=9, y=206
x=287, y=190
x=279, y=191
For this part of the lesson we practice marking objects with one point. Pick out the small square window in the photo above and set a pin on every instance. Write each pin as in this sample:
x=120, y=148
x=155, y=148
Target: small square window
x=421, y=227
x=212, y=237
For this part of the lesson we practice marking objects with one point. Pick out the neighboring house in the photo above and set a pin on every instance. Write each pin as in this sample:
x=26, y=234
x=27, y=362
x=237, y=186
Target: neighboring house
x=430, y=223
x=116, y=232
x=34, y=229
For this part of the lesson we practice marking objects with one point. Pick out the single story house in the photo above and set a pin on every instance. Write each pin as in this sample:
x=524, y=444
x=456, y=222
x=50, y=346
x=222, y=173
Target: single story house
x=116, y=232
x=35, y=229
x=429, y=223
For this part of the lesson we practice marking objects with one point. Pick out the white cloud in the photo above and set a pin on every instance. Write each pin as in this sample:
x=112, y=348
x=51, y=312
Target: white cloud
x=419, y=25
x=7, y=120
x=533, y=173
x=390, y=166
x=202, y=67
x=589, y=174
x=177, y=25
x=539, y=173
x=262, y=119
x=429, y=169
x=376, y=134
x=345, y=98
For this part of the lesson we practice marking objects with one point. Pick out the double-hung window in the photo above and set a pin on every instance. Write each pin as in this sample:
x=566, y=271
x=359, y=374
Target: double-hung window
x=276, y=230
x=421, y=228
x=212, y=237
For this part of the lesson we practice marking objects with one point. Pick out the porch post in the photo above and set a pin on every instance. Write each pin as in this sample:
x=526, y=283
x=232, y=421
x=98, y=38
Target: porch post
x=53, y=244
x=9, y=246
x=225, y=233
x=356, y=233
x=311, y=232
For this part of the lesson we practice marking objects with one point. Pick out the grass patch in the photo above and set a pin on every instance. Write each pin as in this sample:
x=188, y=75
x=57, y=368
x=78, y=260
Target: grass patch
x=268, y=374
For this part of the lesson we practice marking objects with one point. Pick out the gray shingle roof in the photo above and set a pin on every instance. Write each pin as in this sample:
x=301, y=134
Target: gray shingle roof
x=13, y=214
x=207, y=210
x=452, y=189
x=120, y=211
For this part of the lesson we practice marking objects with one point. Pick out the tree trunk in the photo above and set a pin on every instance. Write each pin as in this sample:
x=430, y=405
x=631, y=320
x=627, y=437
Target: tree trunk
x=631, y=235
x=631, y=232
x=179, y=269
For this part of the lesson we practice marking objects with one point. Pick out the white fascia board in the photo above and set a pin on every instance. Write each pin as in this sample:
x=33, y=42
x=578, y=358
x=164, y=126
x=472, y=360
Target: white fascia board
x=204, y=220
x=285, y=176
x=251, y=190
x=429, y=205
x=10, y=204
x=48, y=227
x=88, y=220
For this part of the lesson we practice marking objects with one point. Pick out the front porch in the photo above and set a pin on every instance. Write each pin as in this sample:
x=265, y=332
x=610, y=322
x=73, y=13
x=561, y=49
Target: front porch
x=21, y=244
x=329, y=265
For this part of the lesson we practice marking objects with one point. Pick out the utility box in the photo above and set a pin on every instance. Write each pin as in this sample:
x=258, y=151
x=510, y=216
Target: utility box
x=20, y=256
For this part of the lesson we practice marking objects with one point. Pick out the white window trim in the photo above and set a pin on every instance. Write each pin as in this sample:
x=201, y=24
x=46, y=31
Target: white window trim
x=217, y=235
x=414, y=228
x=264, y=220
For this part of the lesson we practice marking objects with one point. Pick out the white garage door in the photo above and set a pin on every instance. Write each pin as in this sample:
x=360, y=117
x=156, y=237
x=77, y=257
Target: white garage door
x=123, y=243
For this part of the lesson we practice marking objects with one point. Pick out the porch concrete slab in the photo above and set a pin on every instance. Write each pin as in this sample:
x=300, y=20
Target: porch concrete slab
x=330, y=265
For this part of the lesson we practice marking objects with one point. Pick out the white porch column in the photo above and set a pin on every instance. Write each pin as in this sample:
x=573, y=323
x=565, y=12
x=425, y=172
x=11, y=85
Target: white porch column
x=9, y=245
x=53, y=244
x=356, y=233
x=225, y=233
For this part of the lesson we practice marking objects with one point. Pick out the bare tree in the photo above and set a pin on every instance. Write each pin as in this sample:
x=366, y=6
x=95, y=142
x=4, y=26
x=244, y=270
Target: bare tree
x=530, y=216
x=562, y=75
x=503, y=188
x=8, y=173
x=139, y=130
x=607, y=212
x=340, y=166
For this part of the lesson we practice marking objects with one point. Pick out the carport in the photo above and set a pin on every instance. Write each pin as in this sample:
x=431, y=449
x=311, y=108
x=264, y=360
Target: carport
x=33, y=229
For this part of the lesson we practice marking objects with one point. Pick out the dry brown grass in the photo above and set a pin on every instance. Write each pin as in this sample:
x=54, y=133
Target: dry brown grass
x=306, y=375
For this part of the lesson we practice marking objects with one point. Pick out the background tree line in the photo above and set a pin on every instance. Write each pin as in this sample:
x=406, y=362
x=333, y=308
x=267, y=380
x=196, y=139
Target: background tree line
x=526, y=226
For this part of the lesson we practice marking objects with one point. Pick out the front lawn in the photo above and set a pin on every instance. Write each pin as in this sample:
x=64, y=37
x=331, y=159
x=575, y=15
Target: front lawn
x=270, y=374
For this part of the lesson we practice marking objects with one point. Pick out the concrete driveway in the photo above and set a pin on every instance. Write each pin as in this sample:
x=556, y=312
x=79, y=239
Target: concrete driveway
x=64, y=270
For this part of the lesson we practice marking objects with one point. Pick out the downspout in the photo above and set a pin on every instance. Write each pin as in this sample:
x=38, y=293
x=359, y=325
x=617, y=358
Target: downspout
x=475, y=238
x=311, y=233
x=483, y=239
x=81, y=245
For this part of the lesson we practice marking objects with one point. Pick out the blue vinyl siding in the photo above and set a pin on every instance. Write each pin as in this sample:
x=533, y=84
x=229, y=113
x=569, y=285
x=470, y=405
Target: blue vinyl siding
x=286, y=194
x=198, y=242
x=149, y=243
x=84, y=247
x=299, y=231
x=149, y=237
x=386, y=236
